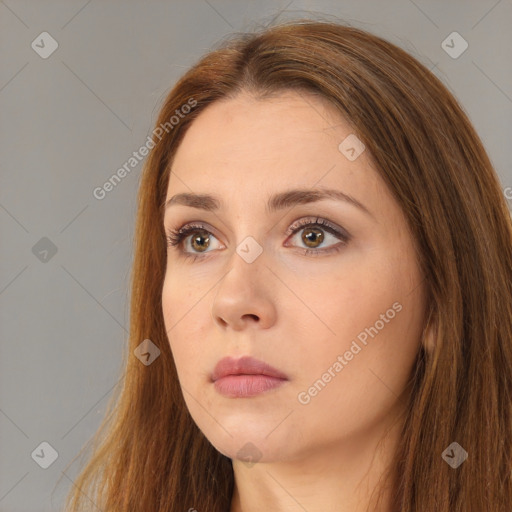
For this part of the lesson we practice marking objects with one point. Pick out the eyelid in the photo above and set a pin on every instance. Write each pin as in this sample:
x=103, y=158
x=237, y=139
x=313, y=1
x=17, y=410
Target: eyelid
x=324, y=223
x=301, y=222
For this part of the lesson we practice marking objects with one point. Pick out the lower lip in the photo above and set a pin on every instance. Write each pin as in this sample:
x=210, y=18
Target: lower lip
x=243, y=386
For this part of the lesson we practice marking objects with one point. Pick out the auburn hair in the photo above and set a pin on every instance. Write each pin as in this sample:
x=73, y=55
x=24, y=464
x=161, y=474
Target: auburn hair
x=148, y=453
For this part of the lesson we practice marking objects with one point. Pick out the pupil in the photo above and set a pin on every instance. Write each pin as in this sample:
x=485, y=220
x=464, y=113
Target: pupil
x=314, y=235
x=197, y=239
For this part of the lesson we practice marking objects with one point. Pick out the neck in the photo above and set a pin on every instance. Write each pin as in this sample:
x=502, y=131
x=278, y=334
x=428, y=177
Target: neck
x=345, y=478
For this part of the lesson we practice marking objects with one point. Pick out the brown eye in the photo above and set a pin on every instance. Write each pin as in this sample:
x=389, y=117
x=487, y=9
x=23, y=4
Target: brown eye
x=192, y=240
x=199, y=241
x=312, y=237
x=317, y=236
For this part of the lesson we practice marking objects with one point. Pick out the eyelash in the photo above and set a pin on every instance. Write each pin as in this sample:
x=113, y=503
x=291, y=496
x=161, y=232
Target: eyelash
x=175, y=237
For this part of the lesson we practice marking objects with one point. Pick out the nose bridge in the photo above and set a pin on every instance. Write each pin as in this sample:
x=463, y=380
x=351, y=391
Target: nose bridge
x=248, y=232
x=249, y=238
x=248, y=261
x=245, y=291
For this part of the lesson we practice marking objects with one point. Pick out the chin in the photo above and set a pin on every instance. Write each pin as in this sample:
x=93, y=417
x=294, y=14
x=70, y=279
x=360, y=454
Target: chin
x=251, y=446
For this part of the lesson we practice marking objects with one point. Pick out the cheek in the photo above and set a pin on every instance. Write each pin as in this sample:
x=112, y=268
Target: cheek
x=182, y=293
x=181, y=306
x=370, y=315
x=340, y=303
x=357, y=379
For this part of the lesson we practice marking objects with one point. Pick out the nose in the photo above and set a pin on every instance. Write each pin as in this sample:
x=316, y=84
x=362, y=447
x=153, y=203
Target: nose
x=244, y=297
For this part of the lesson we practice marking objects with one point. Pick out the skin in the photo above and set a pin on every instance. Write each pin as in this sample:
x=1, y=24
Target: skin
x=294, y=311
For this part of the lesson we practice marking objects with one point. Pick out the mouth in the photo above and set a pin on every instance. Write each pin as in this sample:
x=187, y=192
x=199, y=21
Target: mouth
x=245, y=377
x=246, y=386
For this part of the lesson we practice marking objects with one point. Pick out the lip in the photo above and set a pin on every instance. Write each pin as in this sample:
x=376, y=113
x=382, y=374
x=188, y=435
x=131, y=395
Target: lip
x=245, y=365
x=245, y=377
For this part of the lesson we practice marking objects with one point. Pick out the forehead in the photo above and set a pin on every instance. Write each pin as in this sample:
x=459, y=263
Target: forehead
x=293, y=137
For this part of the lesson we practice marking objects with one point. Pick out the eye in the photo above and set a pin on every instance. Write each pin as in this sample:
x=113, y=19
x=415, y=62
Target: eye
x=314, y=232
x=195, y=236
x=197, y=239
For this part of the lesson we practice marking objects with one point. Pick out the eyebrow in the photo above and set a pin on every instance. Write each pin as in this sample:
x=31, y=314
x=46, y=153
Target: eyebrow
x=276, y=202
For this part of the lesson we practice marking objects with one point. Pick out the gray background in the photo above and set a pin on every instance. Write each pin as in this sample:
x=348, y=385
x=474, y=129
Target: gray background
x=69, y=121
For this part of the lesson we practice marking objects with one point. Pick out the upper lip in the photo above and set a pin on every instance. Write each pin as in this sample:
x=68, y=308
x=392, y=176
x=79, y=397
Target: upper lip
x=244, y=366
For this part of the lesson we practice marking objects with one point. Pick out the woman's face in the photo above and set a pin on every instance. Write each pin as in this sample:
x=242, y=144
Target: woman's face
x=341, y=321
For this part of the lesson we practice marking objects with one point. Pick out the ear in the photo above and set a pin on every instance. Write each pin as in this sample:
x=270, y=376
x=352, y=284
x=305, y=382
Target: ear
x=429, y=339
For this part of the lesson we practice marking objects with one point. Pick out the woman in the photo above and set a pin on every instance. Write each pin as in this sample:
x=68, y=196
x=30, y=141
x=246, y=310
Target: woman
x=324, y=263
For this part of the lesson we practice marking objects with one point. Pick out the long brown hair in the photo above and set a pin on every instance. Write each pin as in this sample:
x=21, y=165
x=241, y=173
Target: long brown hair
x=150, y=455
